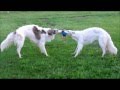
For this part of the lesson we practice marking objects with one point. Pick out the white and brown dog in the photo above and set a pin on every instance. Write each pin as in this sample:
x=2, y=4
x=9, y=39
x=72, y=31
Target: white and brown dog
x=38, y=35
x=89, y=35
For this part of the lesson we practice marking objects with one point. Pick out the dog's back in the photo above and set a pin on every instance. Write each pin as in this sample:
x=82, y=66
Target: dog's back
x=91, y=34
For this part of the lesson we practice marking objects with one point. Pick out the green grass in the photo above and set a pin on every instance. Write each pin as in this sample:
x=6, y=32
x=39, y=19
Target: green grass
x=60, y=64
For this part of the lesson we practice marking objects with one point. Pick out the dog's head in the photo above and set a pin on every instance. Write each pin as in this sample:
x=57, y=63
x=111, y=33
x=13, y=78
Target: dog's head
x=52, y=32
x=49, y=33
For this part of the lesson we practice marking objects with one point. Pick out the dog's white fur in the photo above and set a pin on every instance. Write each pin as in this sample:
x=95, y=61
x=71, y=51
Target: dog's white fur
x=89, y=35
x=18, y=38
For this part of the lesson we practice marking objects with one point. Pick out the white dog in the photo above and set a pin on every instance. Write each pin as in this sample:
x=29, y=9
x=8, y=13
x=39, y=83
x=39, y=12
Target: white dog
x=89, y=35
x=35, y=33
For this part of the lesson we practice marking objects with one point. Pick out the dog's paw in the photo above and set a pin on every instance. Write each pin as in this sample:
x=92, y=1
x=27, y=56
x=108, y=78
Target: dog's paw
x=47, y=55
x=75, y=56
x=20, y=57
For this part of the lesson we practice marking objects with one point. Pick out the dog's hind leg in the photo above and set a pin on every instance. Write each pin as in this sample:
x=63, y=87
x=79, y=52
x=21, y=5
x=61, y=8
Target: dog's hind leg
x=104, y=52
x=19, y=42
x=18, y=51
x=102, y=43
x=79, y=48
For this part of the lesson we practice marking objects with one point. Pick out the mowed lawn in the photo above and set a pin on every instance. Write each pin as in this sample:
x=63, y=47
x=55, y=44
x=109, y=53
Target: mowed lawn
x=60, y=64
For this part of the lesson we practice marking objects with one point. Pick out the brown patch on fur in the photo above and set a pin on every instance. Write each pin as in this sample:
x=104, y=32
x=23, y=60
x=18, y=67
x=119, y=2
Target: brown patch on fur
x=51, y=32
x=36, y=32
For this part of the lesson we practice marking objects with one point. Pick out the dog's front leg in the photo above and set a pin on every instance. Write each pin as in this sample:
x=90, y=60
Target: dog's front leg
x=75, y=50
x=79, y=48
x=43, y=49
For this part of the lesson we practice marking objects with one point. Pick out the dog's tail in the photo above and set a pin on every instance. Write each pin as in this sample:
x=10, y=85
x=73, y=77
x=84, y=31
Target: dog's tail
x=9, y=40
x=111, y=47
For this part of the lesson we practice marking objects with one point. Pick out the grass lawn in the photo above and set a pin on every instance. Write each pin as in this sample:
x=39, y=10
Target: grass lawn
x=60, y=64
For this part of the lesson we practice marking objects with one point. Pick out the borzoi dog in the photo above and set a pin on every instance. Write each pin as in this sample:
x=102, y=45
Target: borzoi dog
x=89, y=35
x=35, y=33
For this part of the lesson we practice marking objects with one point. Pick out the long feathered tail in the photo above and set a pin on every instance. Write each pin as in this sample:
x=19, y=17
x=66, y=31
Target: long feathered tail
x=9, y=40
x=111, y=47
